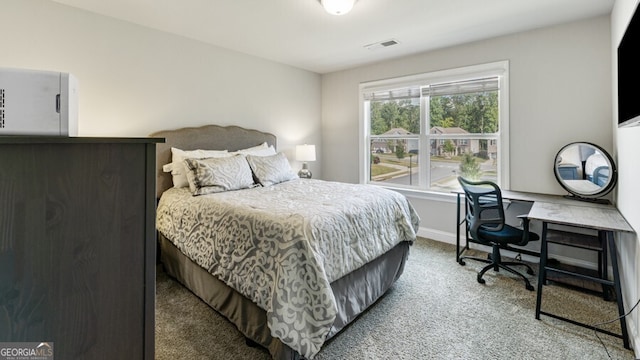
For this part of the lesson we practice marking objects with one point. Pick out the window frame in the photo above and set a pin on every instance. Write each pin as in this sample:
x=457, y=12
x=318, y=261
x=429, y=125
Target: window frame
x=499, y=69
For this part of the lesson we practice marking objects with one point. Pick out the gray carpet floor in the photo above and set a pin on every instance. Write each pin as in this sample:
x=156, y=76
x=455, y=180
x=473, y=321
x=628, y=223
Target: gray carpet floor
x=436, y=310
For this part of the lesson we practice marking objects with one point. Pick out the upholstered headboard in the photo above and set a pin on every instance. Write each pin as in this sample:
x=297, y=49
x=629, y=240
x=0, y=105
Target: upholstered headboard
x=208, y=137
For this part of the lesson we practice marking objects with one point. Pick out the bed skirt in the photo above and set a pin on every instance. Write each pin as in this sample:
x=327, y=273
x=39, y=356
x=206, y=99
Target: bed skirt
x=354, y=293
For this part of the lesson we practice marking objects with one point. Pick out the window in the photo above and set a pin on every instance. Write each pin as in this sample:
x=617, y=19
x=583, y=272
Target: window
x=423, y=131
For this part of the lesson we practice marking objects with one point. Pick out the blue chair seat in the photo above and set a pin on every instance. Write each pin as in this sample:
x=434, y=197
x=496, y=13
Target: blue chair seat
x=508, y=235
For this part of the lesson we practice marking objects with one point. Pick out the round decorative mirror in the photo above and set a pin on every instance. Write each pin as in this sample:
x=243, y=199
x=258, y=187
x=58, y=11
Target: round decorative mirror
x=585, y=170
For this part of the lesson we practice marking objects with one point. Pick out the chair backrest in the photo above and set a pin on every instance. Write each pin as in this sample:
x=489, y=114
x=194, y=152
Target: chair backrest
x=483, y=206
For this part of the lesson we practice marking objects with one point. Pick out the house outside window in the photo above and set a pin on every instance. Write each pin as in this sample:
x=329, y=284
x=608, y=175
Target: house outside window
x=422, y=132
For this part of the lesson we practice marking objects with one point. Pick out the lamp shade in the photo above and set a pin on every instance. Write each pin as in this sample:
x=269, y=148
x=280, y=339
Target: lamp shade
x=337, y=7
x=306, y=152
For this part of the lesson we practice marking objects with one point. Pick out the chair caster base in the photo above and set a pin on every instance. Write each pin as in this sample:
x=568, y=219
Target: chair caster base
x=529, y=287
x=462, y=263
x=481, y=280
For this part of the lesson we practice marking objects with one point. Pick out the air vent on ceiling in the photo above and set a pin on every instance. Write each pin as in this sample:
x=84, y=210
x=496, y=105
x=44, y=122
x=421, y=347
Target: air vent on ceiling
x=382, y=44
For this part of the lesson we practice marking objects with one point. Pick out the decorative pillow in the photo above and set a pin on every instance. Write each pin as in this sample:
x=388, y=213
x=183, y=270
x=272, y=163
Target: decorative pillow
x=211, y=175
x=260, y=150
x=270, y=170
x=177, y=169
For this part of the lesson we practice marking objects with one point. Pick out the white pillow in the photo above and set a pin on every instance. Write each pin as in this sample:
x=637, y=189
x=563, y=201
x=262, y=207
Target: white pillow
x=213, y=175
x=177, y=169
x=264, y=145
x=270, y=170
x=261, y=150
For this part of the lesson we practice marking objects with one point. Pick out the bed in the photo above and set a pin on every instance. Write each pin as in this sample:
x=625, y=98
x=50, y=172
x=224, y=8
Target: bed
x=290, y=263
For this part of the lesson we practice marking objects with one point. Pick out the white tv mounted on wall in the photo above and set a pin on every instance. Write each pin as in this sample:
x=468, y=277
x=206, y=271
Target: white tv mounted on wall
x=34, y=102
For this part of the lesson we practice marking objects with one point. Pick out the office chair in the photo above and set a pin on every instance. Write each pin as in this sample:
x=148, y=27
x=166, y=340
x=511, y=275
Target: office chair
x=486, y=225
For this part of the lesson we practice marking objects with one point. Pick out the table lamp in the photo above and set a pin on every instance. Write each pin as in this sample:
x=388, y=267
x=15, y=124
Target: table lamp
x=305, y=153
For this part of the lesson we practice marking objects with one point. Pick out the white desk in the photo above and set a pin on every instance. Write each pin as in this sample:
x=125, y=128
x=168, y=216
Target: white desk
x=555, y=209
x=606, y=219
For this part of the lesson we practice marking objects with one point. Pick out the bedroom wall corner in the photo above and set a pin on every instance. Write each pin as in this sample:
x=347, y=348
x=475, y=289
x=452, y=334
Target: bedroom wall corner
x=627, y=194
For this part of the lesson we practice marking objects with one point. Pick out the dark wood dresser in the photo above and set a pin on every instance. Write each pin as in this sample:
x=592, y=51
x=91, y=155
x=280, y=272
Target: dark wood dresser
x=77, y=245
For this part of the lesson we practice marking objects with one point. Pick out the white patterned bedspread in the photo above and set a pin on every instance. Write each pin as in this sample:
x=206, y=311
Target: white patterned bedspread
x=281, y=246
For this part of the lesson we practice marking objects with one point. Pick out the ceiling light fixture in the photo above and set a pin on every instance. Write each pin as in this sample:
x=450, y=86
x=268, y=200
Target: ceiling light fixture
x=337, y=7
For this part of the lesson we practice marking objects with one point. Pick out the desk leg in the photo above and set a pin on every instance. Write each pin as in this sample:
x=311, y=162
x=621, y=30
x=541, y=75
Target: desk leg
x=608, y=292
x=458, y=230
x=459, y=248
x=542, y=272
x=617, y=287
x=603, y=265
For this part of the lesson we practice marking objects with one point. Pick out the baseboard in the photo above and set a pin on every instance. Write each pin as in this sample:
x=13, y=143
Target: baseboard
x=437, y=235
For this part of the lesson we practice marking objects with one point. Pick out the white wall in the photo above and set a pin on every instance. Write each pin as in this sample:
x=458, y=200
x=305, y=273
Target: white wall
x=627, y=147
x=134, y=80
x=560, y=91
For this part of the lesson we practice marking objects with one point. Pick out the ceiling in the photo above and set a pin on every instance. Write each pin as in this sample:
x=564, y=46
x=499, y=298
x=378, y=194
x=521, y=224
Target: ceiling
x=300, y=33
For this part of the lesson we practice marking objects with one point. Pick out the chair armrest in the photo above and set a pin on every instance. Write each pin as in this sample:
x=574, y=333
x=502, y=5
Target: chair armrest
x=524, y=219
x=525, y=228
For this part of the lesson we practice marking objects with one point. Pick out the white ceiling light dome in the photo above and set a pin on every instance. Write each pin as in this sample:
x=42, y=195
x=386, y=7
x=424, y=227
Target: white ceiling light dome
x=337, y=7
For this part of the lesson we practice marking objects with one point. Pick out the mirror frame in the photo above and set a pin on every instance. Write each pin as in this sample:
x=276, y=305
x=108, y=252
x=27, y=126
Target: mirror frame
x=613, y=176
